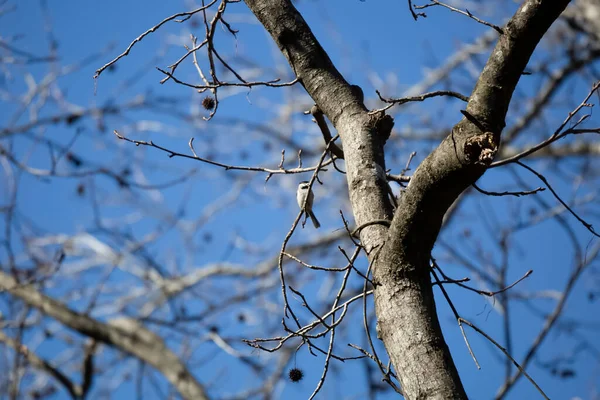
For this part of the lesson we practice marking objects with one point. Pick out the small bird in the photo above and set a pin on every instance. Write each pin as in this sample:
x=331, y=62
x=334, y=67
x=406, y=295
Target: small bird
x=301, y=196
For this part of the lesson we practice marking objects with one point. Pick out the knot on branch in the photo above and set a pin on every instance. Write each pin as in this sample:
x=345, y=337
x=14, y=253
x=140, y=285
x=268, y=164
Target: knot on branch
x=358, y=93
x=481, y=149
x=286, y=37
x=383, y=124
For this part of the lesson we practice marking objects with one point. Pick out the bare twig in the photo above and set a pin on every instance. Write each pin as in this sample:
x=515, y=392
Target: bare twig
x=587, y=225
x=403, y=100
x=186, y=15
x=466, y=12
x=456, y=315
x=487, y=293
x=558, y=133
x=503, y=350
x=273, y=83
x=227, y=167
x=506, y=193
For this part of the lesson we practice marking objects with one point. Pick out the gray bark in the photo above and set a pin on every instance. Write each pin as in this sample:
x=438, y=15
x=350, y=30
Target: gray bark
x=404, y=299
x=407, y=319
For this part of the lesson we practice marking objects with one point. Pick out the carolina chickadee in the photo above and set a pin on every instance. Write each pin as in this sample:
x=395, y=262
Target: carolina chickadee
x=303, y=190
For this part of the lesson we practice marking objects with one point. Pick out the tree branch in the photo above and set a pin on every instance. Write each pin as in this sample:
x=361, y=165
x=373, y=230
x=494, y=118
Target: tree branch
x=403, y=297
x=123, y=334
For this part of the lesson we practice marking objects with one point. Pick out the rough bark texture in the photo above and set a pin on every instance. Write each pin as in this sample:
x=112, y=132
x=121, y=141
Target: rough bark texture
x=124, y=334
x=407, y=319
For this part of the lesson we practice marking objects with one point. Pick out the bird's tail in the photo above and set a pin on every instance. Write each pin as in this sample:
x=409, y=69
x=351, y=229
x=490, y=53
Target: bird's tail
x=314, y=220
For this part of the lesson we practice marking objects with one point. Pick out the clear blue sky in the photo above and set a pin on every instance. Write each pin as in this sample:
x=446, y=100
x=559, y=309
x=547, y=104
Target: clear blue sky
x=370, y=41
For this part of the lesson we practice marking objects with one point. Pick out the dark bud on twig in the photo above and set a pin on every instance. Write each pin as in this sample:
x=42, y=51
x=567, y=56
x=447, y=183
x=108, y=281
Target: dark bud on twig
x=74, y=160
x=296, y=375
x=81, y=190
x=72, y=118
x=358, y=92
x=208, y=103
x=121, y=182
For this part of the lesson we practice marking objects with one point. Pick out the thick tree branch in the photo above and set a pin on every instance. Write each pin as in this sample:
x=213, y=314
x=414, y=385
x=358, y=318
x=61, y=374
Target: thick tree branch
x=124, y=334
x=404, y=299
x=464, y=154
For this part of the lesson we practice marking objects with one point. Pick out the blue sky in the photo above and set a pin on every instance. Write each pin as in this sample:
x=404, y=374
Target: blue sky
x=374, y=44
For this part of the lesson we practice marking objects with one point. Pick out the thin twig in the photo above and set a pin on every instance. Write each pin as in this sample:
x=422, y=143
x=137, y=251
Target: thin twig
x=503, y=350
x=487, y=293
x=588, y=226
x=186, y=15
x=422, y=97
x=227, y=167
x=273, y=83
x=516, y=194
x=558, y=133
x=466, y=13
x=456, y=315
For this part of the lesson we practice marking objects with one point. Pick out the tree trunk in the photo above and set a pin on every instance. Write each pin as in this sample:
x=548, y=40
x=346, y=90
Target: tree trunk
x=407, y=319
